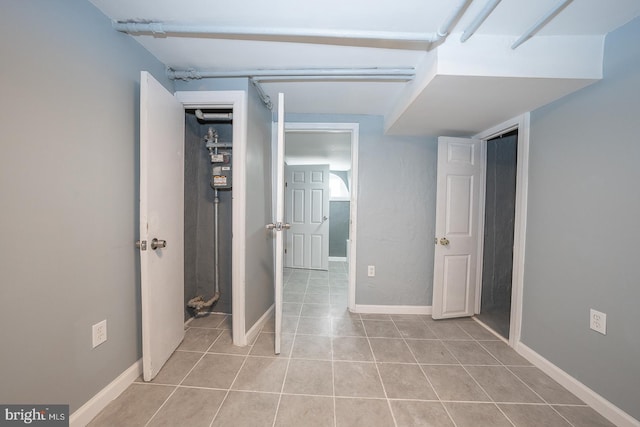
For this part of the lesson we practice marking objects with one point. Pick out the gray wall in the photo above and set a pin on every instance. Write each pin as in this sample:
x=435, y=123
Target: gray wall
x=69, y=185
x=396, y=217
x=582, y=228
x=338, y=227
x=199, y=269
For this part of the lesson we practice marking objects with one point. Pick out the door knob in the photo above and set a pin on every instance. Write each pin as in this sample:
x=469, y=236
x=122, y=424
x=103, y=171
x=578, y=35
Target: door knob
x=444, y=241
x=324, y=218
x=155, y=244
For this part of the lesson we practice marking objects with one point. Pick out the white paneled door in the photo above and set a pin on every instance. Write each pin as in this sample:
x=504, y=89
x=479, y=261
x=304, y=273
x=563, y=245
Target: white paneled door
x=161, y=223
x=307, y=210
x=457, y=227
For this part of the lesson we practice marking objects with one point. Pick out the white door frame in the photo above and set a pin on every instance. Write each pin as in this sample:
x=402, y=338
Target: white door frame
x=354, y=130
x=236, y=100
x=520, y=221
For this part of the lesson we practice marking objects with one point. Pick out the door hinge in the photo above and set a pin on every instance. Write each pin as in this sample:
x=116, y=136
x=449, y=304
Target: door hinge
x=286, y=184
x=285, y=250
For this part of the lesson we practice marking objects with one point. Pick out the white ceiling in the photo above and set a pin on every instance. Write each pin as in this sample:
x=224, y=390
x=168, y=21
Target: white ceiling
x=458, y=85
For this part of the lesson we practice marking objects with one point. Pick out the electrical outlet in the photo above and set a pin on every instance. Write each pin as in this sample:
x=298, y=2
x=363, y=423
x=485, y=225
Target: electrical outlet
x=371, y=271
x=99, y=333
x=598, y=321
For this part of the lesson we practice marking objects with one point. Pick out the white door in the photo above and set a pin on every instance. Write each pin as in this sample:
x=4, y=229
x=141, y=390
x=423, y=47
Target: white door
x=457, y=223
x=278, y=226
x=307, y=210
x=161, y=221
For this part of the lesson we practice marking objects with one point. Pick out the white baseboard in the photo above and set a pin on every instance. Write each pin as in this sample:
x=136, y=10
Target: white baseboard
x=83, y=415
x=255, y=329
x=393, y=309
x=607, y=409
x=338, y=258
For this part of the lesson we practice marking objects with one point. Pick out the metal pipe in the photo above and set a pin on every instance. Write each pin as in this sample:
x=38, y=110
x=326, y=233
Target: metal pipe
x=227, y=117
x=160, y=29
x=479, y=19
x=544, y=20
x=263, y=95
x=451, y=20
x=297, y=73
x=216, y=249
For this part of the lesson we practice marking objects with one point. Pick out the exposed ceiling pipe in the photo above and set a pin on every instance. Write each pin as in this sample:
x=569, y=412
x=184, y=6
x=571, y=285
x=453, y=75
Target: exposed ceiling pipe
x=263, y=96
x=160, y=29
x=544, y=20
x=361, y=74
x=452, y=19
x=479, y=19
x=224, y=117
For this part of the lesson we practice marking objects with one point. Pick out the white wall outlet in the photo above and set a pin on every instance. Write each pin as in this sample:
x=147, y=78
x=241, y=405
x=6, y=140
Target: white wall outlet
x=598, y=321
x=99, y=333
x=371, y=270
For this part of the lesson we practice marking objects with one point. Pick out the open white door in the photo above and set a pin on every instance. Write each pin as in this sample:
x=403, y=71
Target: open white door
x=307, y=210
x=457, y=223
x=161, y=223
x=278, y=225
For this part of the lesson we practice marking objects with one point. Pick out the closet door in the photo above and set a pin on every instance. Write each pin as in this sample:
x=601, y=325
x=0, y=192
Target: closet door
x=161, y=241
x=457, y=227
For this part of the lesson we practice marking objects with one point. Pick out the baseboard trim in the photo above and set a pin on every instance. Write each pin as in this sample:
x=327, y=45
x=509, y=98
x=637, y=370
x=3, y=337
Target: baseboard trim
x=83, y=415
x=392, y=309
x=338, y=258
x=255, y=329
x=605, y=408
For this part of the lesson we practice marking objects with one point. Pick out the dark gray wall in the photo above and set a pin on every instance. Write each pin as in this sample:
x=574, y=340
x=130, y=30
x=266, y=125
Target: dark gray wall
x=69, y=183
x=582, y=228
x=199, y=221
x=500, y=203
x=396, y=217
x=338, y=227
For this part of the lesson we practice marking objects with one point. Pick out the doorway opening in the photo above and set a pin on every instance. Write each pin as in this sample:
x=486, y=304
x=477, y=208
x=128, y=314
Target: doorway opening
x=334, y=145
x=208, y=212
x=499, y=221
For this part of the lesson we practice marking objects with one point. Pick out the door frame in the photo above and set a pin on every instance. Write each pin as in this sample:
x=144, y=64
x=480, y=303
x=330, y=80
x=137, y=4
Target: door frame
x=354, y=130
x=236, y=100
x=522, y=123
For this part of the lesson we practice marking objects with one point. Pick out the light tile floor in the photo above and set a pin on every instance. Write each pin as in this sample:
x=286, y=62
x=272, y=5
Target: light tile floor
x=342, y=369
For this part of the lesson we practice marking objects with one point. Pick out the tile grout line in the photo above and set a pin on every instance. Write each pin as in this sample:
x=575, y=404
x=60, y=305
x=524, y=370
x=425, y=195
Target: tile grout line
x=286, y=371
x=423, y=372
x=478, y=383
x=508, y=368
x=375, y=361
x=177, y=386
x=540, y=396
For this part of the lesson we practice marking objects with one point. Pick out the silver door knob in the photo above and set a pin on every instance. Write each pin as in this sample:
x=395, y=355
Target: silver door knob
x=270, y=226
x=155, y=244
x=286, y=226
